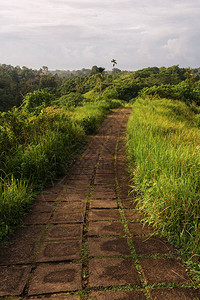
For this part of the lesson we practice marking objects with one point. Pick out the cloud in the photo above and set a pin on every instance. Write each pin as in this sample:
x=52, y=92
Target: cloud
x=72, y=34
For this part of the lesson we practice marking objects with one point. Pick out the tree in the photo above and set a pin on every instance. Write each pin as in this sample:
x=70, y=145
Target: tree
x=114, y=62
x=98, y=71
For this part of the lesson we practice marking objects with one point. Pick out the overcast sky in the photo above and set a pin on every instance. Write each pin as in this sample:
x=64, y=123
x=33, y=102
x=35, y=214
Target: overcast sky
x=75, y=34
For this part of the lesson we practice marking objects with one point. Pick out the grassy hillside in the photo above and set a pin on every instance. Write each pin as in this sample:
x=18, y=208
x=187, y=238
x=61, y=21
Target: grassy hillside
x=164, y=153
x=38, y=142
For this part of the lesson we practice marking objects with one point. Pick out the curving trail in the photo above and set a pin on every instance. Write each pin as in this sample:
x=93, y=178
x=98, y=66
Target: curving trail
x=85, y=240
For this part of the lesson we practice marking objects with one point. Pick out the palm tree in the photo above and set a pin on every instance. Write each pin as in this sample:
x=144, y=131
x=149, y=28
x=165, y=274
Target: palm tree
x=114, y=62
x=100, y=72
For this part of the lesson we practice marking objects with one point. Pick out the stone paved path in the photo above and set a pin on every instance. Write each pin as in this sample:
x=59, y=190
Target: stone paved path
x=85, y=240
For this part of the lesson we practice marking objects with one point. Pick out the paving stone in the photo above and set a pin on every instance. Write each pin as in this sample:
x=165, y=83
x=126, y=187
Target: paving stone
x=79, y=178
x=163, y=270
x=139, y=229
x=57, y=189
x=103, y=203
x=13, y=279
x=104, y=214
x=111, y=172
x=37, y=218
x=108, y=247
x=133, y=215
x=103, y=189
x=69, y=231
x=128, y=203
x=54, y=278
x=104, y=195
x=64, y=218
x=124, y=192
x=151, y=245
x=175, y=294
x=105, y=228
x=117, y=295
x=104, y=180
x=57, y=251
x=48, y=197
x=73, y=188
x=112, y=271
x=43, y=207
x=71, y=206
x=57, y=297
x=29, y=233
x=81, y=182
x=72, y=197
x=18, y=253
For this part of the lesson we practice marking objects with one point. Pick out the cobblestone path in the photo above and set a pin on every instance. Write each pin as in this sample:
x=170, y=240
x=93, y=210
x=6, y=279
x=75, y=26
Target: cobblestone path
x=85, y=240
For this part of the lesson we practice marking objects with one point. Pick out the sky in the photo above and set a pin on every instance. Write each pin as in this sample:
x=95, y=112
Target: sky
x=76, y=34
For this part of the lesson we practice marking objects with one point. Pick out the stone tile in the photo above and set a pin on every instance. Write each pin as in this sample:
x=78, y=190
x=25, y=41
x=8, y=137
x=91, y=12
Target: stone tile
x=108, y=247
x=13, y=279
x=104, y=189
x=128, y=203
x=139, y=229
x=117, y=295
x=104, y=180
x=48, y=197
x=124, y=192
x=64, y=218
x=73, y=197
x=175, y=294
x=104, y=215
x=18, y=253
x=56, y=189
x=112, y=271
x=61, y=232
x=71, y=206
x=73, y=188
x=81, y=182
x=104, y=195
x=103, y=203
x=57, y=297
x=133, y=215
x=151, y=245
x=163, y=270
x=28, y=234
x=43, y=207
x=57, y=251
x=105, y=228
x=79, y=178
x=54, y=278
x=111, y=171
x=37, y=218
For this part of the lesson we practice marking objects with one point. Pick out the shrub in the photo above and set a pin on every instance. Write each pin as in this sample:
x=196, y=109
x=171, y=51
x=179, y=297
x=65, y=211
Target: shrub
x=34, y=102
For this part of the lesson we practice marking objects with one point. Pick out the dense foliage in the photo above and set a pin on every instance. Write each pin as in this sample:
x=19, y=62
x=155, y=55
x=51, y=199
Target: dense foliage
x=16, y=82
x=38, y=142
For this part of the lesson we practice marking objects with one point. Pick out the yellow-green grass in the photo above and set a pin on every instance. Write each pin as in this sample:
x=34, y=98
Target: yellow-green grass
x=35, y=149
x=164, y=153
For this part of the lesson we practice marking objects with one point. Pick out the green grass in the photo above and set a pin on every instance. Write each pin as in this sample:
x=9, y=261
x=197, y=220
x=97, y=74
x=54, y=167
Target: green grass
x=37, y=148
x=164, y=155
x=16, y=197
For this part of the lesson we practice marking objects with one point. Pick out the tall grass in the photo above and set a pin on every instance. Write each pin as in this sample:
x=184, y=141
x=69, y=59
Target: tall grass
x=36, y=148
x=164, y=153
x=16, y=197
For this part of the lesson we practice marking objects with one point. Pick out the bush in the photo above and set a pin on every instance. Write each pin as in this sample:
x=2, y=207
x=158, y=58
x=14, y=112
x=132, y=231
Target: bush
x=70, y=100
x=34, y=102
